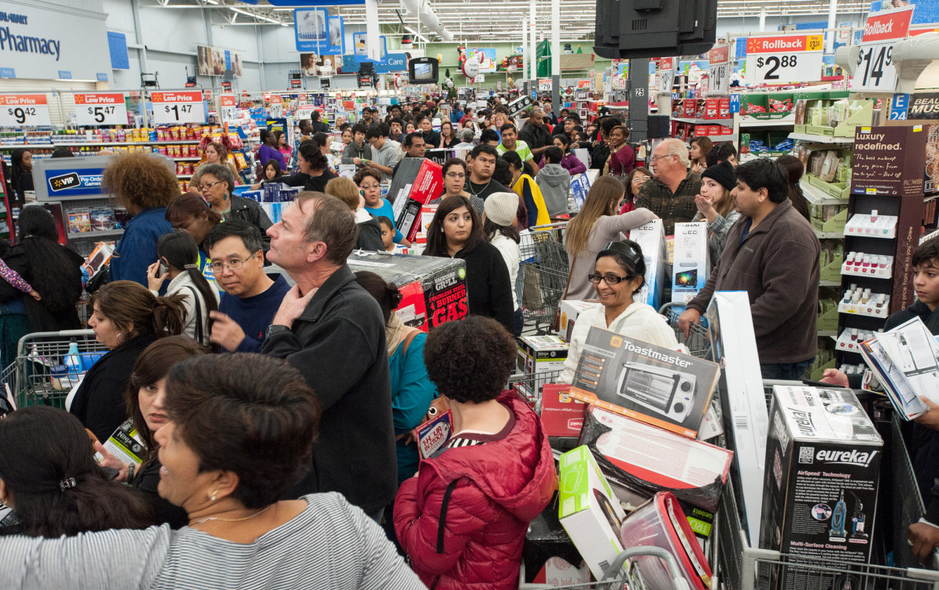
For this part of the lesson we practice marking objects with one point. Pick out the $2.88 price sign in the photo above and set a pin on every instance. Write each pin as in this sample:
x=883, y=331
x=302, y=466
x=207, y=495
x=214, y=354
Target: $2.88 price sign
x=171, y=108
x=24, y=110
x=95, y=109
x=784, y=59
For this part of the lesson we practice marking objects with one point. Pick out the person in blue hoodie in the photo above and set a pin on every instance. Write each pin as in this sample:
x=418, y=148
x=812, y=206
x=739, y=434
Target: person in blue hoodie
x=144, y=186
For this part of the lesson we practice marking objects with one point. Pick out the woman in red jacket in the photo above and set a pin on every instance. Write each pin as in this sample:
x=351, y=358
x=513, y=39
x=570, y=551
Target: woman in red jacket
x=462, y=519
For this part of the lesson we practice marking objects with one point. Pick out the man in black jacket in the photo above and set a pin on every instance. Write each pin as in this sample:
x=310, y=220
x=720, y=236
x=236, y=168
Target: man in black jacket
x=333, y=331
x=535, y=133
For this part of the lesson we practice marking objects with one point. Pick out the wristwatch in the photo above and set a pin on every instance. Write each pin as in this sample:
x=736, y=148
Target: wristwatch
x=275, y=329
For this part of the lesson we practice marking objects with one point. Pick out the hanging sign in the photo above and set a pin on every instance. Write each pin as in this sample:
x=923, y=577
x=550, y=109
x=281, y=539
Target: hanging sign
x=94, y=109
x=875, y=71
x=719, y=70
x=666, y=74
x=783, y=59
x=229, y=107
x=24, y=110
x=173, y=108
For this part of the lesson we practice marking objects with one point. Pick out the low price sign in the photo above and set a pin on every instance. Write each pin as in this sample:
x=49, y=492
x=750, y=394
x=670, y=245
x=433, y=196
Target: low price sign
x=783, y=59
x=875, y=70
x=95, y=109
x=24, y=110
x=173, y=108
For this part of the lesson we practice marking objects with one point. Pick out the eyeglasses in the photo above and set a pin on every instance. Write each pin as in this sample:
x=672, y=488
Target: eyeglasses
x=233, y=264
x=455, y=175
x=640, y=178
x=368, y=187
x=205, y=187
x=611, y=280
x=654, y=158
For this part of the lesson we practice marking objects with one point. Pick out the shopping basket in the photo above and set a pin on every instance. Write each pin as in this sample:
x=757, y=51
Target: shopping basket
x=697, y=341
x=619, y=573
x=543, y=272
x=41, y=374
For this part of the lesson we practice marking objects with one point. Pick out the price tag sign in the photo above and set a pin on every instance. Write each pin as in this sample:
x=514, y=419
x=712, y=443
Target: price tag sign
x=666, y=74
x=24, y=110
x=229, y=106
x=719, y=70
x=875, y=71
x=94, y=109
x=173, y=108
x=784, y=59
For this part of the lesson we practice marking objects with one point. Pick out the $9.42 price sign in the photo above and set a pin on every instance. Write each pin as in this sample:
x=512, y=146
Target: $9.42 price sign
x=95, y=109
x=875, y=71
x=24, y=110
x=172, y=108
x=784, y=59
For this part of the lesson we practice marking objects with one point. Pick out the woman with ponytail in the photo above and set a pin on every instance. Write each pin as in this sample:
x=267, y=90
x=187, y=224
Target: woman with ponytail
x=178, y=261
x=126, y=319
x=49, y=477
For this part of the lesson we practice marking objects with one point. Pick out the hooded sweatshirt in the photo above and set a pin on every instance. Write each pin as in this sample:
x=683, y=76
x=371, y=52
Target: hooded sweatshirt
x=463, y=519
x=555, y=184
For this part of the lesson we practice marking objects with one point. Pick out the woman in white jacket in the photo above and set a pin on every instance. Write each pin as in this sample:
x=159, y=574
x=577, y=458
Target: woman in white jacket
x=178, y=261
x=499, y=226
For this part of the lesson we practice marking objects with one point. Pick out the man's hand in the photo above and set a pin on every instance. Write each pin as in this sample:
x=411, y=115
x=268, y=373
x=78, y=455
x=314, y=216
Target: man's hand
x=226, y=332
x=292, y=306
x=931, y=418
x=835, y=377
x=923, y=538
x=690, y=316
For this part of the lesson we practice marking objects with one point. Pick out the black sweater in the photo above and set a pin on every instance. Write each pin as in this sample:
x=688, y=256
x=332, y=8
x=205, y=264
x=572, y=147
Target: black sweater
x=488, y=286
x=309, y=183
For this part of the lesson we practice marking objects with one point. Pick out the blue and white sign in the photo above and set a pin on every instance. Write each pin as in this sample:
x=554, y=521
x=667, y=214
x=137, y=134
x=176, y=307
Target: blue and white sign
x=311, y=28
x=389, y=62
x=899, y=106
x=734, y=103
x=74, y=183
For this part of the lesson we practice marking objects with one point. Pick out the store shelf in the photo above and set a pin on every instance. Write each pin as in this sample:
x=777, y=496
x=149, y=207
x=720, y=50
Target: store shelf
x=747, y=123
x=822, y=139
x=817, y=196
x=184, y=159
x=828, y=235
x=183, y=176
x=828, y=334
x=695, y=121
x=11, y=146
x=829, y=283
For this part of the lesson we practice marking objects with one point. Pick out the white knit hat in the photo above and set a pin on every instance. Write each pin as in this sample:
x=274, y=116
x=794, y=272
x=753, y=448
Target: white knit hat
x=501, y=208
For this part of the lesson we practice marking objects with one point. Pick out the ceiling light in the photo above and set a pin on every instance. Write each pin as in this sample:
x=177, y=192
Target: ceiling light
x=259, y=16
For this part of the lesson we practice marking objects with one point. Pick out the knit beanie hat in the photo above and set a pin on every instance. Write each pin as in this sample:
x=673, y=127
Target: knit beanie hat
x=501, y=208
x=723, y=173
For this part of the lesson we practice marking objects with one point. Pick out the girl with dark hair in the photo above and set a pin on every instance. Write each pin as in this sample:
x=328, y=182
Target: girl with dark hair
x=49, y=477
x=622, y=158
x=179, y=262
x=191, y=214
x=447, y=136
x=793, y=169
x=126, y=318
x=314, y=169
x=21, y=177
x=717, y=206
x=634, y=182
x=569, y=160
x=280, y=138
x=272, y=171
x=456, y=232
x=700, y=146
x=268, y=149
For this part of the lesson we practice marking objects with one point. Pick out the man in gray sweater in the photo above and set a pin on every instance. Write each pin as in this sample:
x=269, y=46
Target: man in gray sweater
x=554, y=182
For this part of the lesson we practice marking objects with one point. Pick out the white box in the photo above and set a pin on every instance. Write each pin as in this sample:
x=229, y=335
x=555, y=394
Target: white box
x=570, y=310
x=690, y=262
x=589, y=512
x=744, y=403
x=541, y=354
x=651, y=238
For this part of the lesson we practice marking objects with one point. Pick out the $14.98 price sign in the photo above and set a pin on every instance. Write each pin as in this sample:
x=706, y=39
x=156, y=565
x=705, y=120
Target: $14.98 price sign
x=94, y=109
x=24, y=110
x=784, y=59
x=719, y=70
x=172, y=108
x=875, y=71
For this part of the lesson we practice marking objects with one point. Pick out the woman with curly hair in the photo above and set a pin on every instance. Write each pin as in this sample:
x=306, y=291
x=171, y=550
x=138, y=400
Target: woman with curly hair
x=462, y=520
x=145, y=186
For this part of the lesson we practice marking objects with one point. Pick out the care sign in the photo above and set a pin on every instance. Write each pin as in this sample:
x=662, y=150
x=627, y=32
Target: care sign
x=172, y=108
x=719, y=70
x=24, y=110
x=783, y=59
x=875, y=70
x=100, y=109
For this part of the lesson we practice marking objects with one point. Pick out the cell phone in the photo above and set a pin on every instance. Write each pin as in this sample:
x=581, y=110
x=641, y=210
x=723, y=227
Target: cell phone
x=162, y=269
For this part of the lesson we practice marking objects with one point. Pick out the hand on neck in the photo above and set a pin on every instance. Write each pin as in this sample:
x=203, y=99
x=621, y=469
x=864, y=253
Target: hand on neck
x=314, y=276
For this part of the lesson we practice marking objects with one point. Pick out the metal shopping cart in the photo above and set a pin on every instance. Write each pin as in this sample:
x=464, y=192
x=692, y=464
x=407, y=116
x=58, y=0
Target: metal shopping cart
x=620, y=573
x=697, y=341
x=543, y=273
x=529, y=386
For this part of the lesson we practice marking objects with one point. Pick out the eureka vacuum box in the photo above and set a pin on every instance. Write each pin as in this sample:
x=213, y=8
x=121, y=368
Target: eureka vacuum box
x=823, y=459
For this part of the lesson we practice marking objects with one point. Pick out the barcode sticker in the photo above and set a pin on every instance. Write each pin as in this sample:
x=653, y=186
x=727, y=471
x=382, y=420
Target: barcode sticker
x=604, y=565
x=740, y=422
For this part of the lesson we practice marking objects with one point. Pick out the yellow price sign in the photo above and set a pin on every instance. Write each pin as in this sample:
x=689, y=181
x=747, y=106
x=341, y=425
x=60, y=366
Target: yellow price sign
x=814, y=42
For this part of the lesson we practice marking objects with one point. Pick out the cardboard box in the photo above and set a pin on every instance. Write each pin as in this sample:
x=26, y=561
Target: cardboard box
x=712, y=108
x=643, y=459
x=570, y=310
x=744, y=402
x=561, y=415
x=651, y=238
x=426, y=217
x=541, y=354
x=690, y=260
x=665, y=388
x=417, y=182
x=433, y=289
x=823, y=459
x=589, y=512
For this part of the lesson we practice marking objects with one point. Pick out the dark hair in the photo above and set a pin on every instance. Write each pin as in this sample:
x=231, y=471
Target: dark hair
x=373, y=131
x=501, y=172
x=607, y=124
x=633, y=265
x=363, y=173
x=221, y=172
x=764, y=173
x=484, y=148
x=277, y=135
x=488, y=135
x=249, y=234
x=386, y=294
x=491, y=228
x=320, y=139
x=190, y=205
x=359, y=128
x=508, y=126
x=62, y=152
x=451, y=163
x=437, y=240
x=140, y=179
x=127, y=303
x=553, y=155
x=314, y=116
x=250, y=414
x=410, y=137
x=396, y=120
x=563, y=139
x=266, y=136
x=53, y=273
x=793, y=168
x=181, y=252
x=333, y=224
x=926, y=254
x=272, y=163
x=720, y=152
x=629, y=180
x=470, y=361
x=513, y=159
x=220, y=149
x=153, y=364
x=44, y=447
x=312, y=154
x=383, y=220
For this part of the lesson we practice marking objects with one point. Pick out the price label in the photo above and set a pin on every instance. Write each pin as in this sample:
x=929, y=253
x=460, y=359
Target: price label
x=94, y=109
x=784, y=59
x=666, y=74
x=24, y=110
x=173, y=108
x=719, y=70
x=875, y=71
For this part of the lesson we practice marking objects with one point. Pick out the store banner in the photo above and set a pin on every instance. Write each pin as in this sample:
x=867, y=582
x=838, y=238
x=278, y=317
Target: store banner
x=784, y=59
x=75, y=182
x=875, y=70
x=215, y=62
x=24, y=110
x=174, y=108
x=311, y=28
x=100, y=108
x=922, y=106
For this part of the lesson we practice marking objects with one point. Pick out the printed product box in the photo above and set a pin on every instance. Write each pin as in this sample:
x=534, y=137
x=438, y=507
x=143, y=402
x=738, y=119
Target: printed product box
x=433, y=289
x=823, y=459
x=641, y=460
x=570, y=310
x=541, y=354
x=665, y=388
x=651, y=238
x=426, y=216
x=589, y=512
x=561, y=415
x=549, y=555
x=417, y=182
x=690, y=260
x=712, y=108
x=689, y=106
x=702, y=130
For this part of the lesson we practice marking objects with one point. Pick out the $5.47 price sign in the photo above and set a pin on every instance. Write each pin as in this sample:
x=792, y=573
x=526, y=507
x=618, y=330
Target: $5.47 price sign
x=172, y=108
x=24, y=110
x=95, y=109
x=875, y=71
x=784, y=59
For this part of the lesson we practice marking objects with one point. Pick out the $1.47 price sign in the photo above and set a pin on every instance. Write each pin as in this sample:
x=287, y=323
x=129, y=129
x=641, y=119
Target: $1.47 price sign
x=784, y=59
x=24, y=110
x=172, y=108
x=95, y=109
x=875, y=71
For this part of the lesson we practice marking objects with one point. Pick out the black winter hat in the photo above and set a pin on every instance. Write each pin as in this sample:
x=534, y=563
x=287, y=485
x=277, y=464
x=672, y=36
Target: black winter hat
x=723, y=173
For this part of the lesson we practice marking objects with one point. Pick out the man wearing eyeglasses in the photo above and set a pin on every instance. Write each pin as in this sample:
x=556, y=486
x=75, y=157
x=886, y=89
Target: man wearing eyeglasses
x=670, y=194
x=251, y=297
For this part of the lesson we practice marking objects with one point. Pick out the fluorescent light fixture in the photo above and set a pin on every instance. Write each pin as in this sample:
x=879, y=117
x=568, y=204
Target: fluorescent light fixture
x=260, y=16
x=214, y=2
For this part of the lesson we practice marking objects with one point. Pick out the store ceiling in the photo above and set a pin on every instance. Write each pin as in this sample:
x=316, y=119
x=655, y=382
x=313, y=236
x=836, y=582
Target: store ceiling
x=499, y=20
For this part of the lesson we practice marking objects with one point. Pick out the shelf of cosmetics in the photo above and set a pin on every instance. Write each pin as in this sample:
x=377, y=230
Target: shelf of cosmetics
x=850, y=339
x=863, y=302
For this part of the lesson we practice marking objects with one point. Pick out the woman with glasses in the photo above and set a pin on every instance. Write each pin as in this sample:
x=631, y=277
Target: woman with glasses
x=216, y=185
x=634, y=182
x=454, y=184
x=619, y=271
x=369, y=181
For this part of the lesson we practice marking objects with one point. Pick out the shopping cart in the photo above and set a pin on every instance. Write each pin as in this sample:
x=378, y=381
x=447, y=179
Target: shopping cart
x=543, y=272
x=697, y=341
x=620, y=574
x=529, y=386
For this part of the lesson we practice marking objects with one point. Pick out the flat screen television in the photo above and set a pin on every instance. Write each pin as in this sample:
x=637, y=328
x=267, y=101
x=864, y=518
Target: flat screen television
x=654, y=28
x=423, y=70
